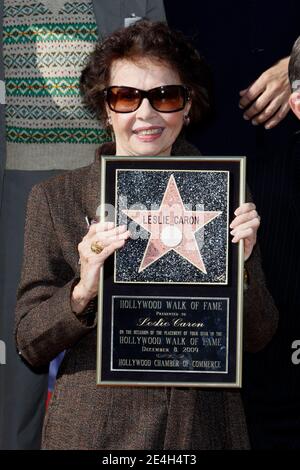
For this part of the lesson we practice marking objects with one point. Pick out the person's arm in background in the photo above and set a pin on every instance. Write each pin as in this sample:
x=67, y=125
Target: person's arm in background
x=266, y=101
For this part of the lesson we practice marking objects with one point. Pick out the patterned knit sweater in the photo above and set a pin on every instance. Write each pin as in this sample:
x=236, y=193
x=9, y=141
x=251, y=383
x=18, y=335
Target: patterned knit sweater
x=46, y=45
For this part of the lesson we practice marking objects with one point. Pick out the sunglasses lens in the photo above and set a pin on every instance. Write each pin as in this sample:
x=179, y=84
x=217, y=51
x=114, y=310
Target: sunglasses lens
x=165, y=99
x=123, y=99
x=168, y=98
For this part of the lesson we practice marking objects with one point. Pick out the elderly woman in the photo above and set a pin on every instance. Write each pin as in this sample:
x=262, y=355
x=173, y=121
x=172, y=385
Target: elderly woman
x=146, y=83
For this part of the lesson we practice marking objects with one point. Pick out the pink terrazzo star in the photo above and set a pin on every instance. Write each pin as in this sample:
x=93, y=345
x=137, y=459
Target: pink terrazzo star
x=172, y=227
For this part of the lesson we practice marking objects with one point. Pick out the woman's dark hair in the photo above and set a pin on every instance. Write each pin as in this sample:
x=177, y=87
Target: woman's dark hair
x=294, y=66
x=146, y=39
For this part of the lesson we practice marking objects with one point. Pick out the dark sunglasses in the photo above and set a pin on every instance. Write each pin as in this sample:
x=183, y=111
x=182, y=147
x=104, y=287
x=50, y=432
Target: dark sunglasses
x=164, y=99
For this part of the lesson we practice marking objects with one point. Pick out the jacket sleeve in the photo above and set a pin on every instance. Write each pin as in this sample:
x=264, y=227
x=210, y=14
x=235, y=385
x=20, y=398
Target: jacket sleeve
x=45, y=324
x=260, y=311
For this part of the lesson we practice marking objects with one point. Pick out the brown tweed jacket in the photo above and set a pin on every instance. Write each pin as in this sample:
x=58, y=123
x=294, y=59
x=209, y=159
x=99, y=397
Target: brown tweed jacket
x=80, y=415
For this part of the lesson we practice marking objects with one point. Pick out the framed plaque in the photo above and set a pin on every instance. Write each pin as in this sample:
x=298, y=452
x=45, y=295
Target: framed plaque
x=170, y=300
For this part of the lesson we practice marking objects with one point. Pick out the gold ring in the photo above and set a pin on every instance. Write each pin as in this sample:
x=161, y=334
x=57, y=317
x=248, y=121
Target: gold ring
x=96, y=247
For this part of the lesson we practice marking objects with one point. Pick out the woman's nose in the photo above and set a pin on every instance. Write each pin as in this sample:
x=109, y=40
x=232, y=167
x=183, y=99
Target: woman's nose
x=145, y=109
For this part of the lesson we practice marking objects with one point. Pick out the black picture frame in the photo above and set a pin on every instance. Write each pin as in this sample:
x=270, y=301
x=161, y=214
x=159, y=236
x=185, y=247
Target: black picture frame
x=169, y=323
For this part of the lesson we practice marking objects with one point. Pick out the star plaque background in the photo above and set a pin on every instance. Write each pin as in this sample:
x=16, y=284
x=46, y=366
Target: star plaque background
x=170, y=300
x=202, y=258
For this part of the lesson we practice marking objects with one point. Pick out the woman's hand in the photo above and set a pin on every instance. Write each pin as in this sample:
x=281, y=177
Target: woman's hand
x=111, y=238
x=245, y=226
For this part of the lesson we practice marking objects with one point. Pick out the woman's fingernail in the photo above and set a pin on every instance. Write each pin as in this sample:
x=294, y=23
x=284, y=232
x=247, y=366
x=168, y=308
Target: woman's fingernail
x=255, y=123
x=246, y=117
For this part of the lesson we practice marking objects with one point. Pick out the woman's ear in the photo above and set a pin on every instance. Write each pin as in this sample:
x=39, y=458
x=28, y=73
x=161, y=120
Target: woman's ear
x=186, y=117
x=294, y=102
x=188, y=106
x=108, y=121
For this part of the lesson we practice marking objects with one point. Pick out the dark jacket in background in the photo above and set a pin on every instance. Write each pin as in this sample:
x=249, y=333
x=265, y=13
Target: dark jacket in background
x=241, y=40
